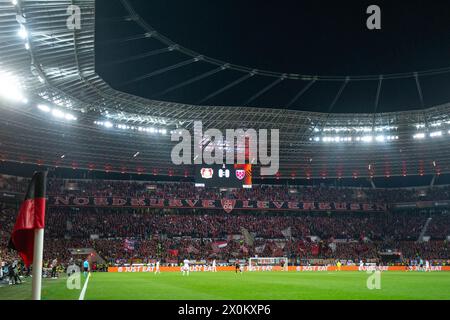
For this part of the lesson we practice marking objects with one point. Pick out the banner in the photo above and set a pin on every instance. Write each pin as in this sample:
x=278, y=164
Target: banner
x=421, y=204
x=129, y=245
x=216, y=246
x=192, y=249
x=205, y=268
x=287, y=233
x=248, y=238
x=227, y=205
x=138, y=269
x=260, y=249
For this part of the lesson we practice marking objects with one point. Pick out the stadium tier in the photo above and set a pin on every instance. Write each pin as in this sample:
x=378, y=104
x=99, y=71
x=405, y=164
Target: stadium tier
x=170, y=233
x=126, y=154
x=68, y=116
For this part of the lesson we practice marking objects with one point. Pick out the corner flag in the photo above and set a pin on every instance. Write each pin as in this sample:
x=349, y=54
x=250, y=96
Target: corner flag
x=28, y=234
x=31, y=217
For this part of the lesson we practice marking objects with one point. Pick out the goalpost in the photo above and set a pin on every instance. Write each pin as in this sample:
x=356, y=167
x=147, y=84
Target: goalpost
x=267, y=263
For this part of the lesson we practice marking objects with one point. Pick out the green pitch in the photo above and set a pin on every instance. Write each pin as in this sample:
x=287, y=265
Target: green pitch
x=258, y=285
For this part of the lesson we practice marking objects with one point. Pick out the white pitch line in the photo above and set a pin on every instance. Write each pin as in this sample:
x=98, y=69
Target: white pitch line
x=83, y=291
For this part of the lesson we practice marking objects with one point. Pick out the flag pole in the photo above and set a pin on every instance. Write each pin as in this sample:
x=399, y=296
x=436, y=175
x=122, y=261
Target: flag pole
x=37, y=263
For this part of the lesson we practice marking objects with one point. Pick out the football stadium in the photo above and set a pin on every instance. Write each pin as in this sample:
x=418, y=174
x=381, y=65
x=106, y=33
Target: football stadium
x=152, y=150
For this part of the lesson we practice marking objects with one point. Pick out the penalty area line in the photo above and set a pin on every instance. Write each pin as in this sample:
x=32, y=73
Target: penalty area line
x=83, y=291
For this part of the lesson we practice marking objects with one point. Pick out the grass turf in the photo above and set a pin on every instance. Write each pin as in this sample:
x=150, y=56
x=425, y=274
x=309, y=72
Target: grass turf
x=229, y=286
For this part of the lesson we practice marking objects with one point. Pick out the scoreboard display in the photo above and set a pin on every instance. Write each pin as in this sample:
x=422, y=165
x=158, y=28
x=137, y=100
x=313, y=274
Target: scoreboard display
x=224, y=176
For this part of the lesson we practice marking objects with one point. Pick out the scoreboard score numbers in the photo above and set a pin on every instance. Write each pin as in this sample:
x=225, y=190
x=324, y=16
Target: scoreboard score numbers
x=224, y=176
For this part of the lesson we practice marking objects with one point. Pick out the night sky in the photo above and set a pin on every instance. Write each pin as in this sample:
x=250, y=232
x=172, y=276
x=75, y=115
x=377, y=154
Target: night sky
x=327, y=38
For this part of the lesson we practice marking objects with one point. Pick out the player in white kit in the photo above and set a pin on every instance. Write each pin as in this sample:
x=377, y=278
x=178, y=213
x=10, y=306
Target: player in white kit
x=361, y=265
x=157, y=267
x=185, y=267
x=214, y=268
x=427, y=265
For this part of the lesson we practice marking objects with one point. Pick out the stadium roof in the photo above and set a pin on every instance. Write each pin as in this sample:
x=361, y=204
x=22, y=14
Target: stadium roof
x=56, y=110
x=300, y=55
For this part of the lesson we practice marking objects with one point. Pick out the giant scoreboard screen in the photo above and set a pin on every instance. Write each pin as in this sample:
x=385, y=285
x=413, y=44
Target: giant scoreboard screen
x=224, y=176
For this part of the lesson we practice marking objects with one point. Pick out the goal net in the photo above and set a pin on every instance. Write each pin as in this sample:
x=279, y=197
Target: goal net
x=268, y=264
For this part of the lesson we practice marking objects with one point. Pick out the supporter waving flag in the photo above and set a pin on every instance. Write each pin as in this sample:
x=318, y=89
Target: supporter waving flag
x=129, y=245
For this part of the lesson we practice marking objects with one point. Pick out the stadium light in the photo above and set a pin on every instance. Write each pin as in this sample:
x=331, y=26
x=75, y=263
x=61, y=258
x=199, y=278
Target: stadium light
x=359, y=129
x=419, y=136
x=69, y=117
x=23, y=33
x=108, y=124
x=10, y=88
x=365, y=139
x=44, y=108
x=391, y=138
x=420, y=125
x=436, y=134
x=57, y=113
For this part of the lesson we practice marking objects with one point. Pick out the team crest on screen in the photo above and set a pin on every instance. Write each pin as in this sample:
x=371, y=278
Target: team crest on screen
x=228, y=205
x=207, y=173
x=240, y=174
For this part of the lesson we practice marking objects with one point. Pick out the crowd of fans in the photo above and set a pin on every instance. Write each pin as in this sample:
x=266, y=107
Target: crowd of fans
x=81, y=223
x=159, y=234
x=103, y=188
x=169, y=234
x=439, y=227
x=260, y=193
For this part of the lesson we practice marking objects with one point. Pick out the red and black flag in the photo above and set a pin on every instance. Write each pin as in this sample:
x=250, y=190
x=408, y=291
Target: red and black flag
x=31, y=217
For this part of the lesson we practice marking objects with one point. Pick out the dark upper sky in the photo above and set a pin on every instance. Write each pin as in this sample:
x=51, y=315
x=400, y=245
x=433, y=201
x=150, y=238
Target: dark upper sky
x=327, y=38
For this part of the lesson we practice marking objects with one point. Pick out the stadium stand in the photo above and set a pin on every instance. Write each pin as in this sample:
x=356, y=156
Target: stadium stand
x=170, y=234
